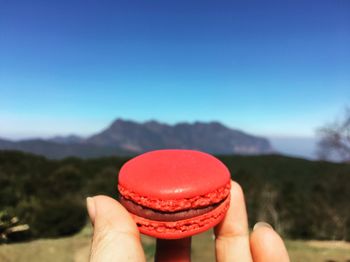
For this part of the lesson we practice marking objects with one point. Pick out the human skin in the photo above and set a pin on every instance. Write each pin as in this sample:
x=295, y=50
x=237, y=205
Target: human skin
x=116, y=237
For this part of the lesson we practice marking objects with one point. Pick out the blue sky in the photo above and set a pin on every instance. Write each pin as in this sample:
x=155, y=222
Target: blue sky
x=274, y=68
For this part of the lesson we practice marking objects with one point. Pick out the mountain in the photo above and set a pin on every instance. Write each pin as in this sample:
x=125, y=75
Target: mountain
x=55, y=150
x=67, y=139
x=210, y=137
x=125, y=137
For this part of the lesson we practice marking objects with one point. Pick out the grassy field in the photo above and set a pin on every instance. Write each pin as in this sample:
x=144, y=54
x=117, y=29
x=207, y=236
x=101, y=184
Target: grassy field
x=76, y=249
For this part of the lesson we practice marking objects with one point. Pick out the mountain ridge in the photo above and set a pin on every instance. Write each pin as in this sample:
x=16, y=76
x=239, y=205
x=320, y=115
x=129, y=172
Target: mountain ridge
x=128, y=137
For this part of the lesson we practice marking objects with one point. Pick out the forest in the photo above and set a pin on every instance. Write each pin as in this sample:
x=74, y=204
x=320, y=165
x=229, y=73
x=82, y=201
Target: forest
x=302, y=199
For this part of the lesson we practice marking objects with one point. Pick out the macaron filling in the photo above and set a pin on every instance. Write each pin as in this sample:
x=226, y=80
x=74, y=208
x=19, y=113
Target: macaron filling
x=172, y=205
x=158, y=215
x=182, y=228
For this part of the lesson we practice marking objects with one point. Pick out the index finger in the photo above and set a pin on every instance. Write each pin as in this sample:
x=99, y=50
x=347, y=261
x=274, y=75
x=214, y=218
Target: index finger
x=232, y=234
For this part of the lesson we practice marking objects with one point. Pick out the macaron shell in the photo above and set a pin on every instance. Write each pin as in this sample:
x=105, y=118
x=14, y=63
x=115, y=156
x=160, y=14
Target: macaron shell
x=173, y=174
x=182, y=228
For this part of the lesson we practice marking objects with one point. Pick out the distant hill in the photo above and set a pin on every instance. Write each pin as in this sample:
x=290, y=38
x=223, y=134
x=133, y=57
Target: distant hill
x=124, y=137
x=66, y=139
x=56, y=150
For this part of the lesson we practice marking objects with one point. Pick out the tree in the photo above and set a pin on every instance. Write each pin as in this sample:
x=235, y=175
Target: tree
x=334, y=143
x=67, y=179
x=267, y=210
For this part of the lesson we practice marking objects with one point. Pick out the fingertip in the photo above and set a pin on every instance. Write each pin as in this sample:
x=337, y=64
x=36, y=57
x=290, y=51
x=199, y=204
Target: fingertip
x=236, y=187
x=236, y=192
x=267, y=245
x=262, y=225
x=90, y=206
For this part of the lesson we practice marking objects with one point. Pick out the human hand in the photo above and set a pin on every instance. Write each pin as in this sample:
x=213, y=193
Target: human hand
x=116, y=237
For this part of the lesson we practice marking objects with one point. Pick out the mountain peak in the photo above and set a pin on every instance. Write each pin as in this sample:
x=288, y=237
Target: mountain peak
x=119, y=121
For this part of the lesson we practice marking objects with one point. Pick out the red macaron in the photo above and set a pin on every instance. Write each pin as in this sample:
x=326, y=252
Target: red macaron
x=174, y=194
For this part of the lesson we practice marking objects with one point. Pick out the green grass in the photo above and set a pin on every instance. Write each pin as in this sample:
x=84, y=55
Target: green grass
x=76, y=249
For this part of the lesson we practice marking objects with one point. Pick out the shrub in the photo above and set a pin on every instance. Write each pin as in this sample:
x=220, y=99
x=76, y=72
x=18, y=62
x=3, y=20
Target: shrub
x=58, y=218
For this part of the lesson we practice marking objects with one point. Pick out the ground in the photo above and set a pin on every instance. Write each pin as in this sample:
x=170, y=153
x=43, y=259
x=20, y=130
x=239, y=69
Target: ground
x=76, y=249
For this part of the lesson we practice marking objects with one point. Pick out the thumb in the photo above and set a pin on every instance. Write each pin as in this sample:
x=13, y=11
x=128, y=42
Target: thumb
x=116, y=237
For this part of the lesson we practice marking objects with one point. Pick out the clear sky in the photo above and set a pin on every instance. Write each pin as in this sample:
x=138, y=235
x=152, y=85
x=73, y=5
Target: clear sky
x=276, y=68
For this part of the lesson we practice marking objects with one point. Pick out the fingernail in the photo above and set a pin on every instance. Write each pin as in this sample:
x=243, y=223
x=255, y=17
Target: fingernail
x=262, y=224
x=90, y=205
